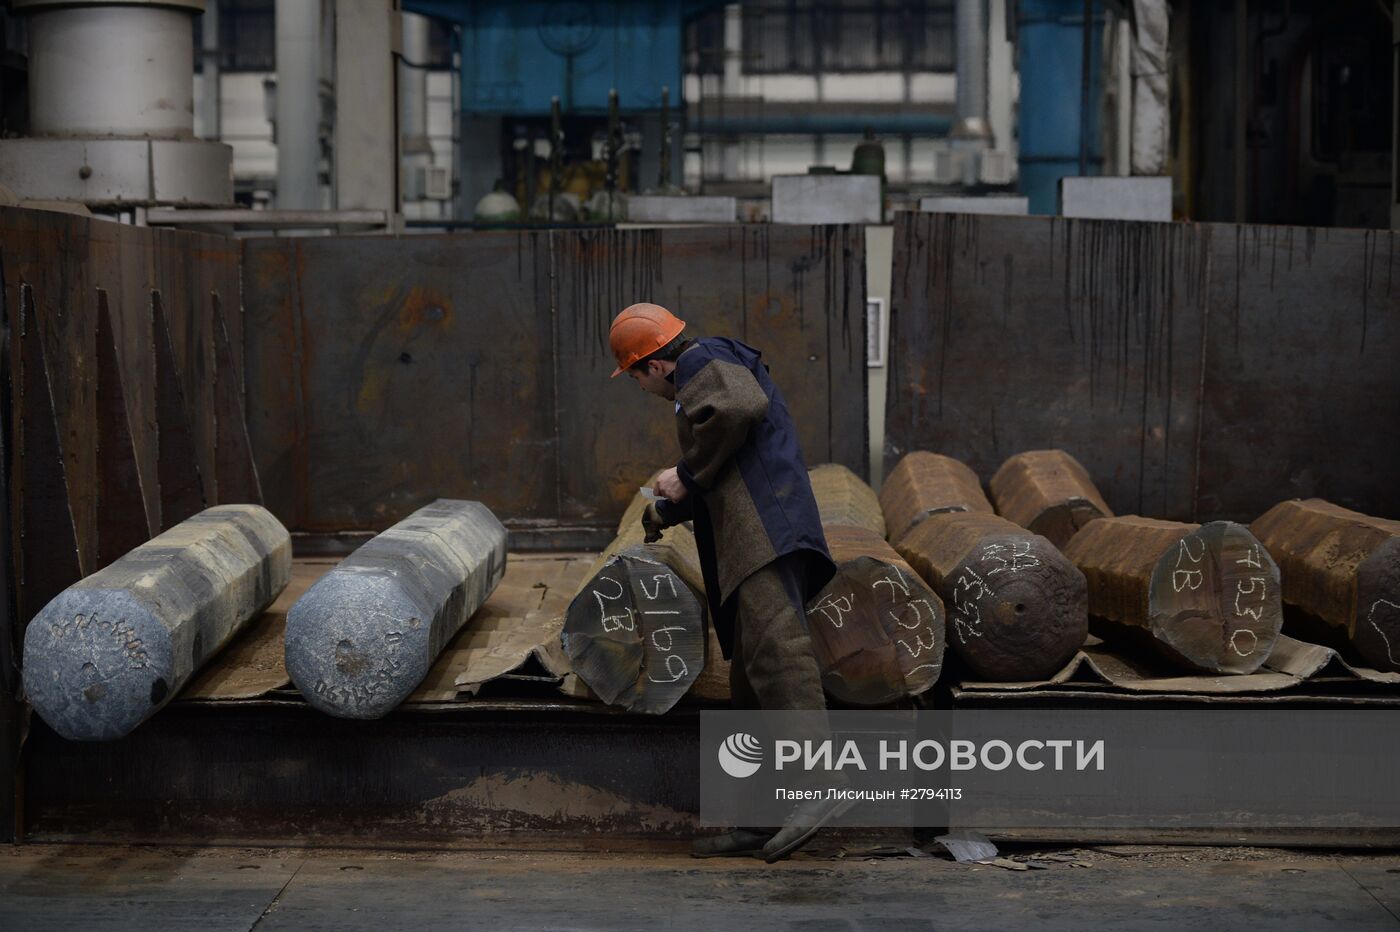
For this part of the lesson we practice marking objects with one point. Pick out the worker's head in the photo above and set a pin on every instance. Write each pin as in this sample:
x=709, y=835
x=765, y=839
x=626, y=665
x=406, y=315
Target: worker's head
x=647, y=339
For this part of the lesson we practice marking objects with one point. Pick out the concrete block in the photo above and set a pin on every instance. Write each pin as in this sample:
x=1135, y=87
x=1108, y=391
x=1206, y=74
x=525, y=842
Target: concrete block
x=364, y=636
x=992, y=204
x=111, y=649
x=1109, y=198
x=656, y=208
x=826, y=199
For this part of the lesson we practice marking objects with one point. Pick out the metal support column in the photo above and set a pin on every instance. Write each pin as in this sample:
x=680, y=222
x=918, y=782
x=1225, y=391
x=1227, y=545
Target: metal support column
x=366, y=104
x=298, y=42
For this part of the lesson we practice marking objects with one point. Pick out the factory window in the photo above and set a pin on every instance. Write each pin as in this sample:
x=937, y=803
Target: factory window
x=246, y=36
x=787, y=36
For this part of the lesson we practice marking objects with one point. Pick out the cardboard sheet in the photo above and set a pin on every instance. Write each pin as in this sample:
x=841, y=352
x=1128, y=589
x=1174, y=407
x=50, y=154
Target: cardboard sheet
x=1098, y=665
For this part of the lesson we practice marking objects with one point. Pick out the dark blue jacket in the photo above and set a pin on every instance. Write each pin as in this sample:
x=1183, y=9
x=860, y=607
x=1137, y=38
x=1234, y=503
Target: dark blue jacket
x=749, y=494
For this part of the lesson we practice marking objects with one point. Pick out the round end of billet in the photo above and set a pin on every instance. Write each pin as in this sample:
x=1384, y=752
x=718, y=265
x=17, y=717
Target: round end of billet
x=1018, y=609
x=1376, y=636
x=97, y=663
x=635, y=634
x=877, y=632
x=357, y=645
x=1061, y=522
x=1215, y=602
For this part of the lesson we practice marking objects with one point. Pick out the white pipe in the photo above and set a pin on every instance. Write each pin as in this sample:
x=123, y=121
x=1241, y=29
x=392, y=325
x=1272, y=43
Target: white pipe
x=413, y=85
x=1151, y=134
x=210, y=110
x=298, y=38
x=971, y=29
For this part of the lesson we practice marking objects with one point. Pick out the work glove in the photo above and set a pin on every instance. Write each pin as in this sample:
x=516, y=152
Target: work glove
x=652, y=523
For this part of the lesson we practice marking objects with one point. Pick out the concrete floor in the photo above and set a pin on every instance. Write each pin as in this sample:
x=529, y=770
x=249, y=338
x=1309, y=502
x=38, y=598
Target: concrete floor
x=213, y=889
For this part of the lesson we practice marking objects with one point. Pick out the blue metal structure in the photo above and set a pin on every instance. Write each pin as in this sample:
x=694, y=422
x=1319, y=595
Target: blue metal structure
x=1049, y=53
x=518, y=54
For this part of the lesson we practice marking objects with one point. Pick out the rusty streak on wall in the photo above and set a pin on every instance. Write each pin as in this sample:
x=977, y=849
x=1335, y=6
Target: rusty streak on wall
x=385, y=372
x=65, y=260
x=1199, y=371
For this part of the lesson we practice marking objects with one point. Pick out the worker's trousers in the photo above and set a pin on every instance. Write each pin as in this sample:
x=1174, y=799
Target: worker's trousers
x=772, y=666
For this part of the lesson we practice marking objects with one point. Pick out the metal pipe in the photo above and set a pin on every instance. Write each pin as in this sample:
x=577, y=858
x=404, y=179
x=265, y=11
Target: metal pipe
x=210, y=105
x=416, y=150
x=663, y=180
x=971, y=31
x=843, y=123
x=1086, y=42
x=413, y=86
x=298, y=44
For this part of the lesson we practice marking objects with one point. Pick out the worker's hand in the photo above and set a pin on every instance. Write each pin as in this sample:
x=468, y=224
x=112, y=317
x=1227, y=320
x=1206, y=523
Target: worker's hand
x=669, y=486
x=652, y=523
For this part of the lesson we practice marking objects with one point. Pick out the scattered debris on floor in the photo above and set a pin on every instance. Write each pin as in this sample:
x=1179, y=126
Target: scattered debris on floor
x=966, y=845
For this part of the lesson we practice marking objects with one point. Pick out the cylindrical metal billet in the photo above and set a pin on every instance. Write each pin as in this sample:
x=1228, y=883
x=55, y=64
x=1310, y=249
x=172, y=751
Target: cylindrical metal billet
x=924, y=484
x=635, y=632
x=877, y=629
x=1342, y=569
x=1017, y=607
x=364, y=636
x=111, y=649
x=1047, y=492
x=1205, y=595
x=843, y=499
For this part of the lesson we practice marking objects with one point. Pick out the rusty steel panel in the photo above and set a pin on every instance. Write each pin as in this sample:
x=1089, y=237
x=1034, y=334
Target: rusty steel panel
x=1302, y=392
x=507, y=334
x=236, y=474
x=11, y=630
x=120, y=497
x=384, y=373
x=65, y=260
x=46, y=545
x=179, y=478
x=1198, y=371
x=1017, y=333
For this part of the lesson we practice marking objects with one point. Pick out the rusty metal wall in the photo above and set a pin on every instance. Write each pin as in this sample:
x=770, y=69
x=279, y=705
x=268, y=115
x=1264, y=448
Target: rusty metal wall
x=1198, y=371
x=385, y=372
x=65, y=260
x=283, y=773
x=59, y=272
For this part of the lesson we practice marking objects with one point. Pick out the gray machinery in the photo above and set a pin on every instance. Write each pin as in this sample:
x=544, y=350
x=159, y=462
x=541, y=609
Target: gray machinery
x=111, y=104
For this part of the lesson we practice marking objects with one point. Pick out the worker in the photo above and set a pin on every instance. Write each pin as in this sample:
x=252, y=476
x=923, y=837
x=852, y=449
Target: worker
x=742, y=482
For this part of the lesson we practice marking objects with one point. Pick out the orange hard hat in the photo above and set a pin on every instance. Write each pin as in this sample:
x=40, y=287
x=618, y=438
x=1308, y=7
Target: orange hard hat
x=639, y=331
